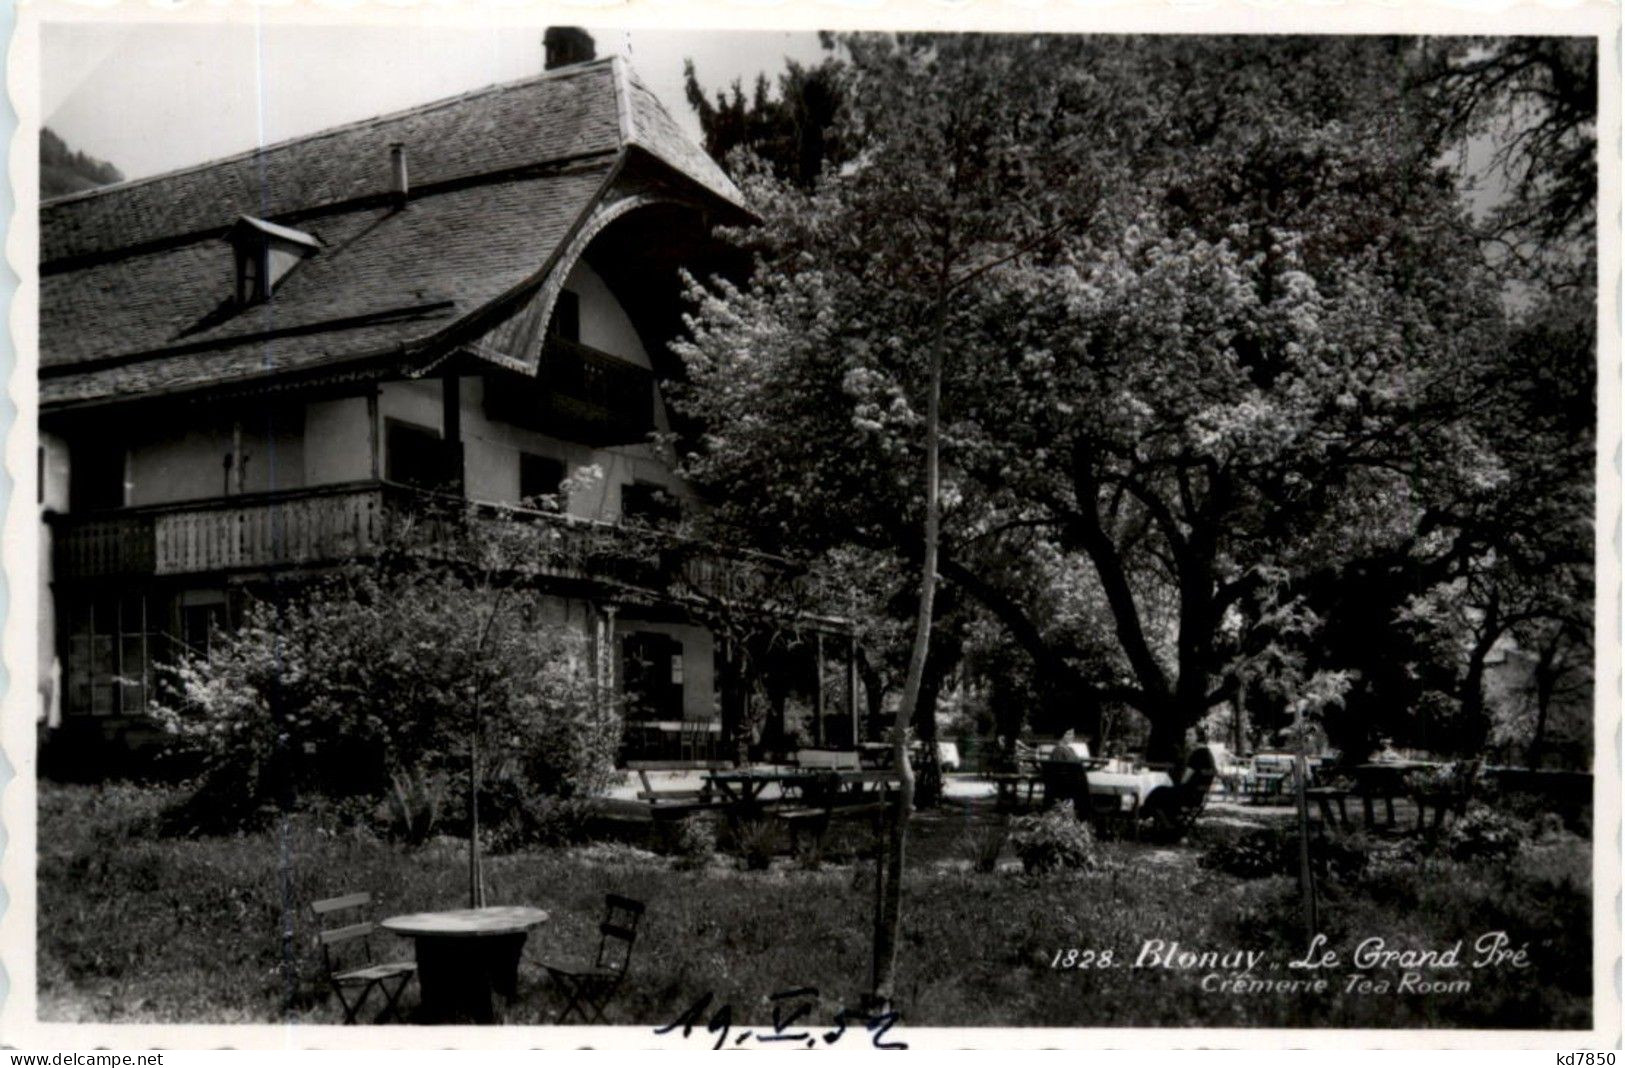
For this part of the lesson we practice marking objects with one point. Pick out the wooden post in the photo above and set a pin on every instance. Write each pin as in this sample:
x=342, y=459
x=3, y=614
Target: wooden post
x=1306, y=878
x=852, y=690
x=818, y=688
x=372, y=435
x=451, y=420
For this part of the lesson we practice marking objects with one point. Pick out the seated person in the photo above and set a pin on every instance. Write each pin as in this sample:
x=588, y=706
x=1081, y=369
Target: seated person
x=1069, y=750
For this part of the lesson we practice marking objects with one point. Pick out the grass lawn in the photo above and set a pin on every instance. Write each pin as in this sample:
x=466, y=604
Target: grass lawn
x=137, y=928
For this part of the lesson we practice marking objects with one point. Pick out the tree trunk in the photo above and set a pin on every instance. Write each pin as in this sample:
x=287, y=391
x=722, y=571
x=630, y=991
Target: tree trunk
x=888, y=929
x=1546, y=673
x=1167, y=741
x=1475, y=722
x=874, y=695
x=734, y=693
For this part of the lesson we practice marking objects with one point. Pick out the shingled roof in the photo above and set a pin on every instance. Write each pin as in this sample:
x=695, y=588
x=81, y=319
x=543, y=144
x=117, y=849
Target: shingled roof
x=136, y=281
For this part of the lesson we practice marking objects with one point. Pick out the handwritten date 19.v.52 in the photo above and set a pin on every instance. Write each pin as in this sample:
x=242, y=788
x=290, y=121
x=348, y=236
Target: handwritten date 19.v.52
x=790, y=1007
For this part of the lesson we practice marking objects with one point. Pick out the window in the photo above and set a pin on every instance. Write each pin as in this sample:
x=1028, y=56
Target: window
x=199, y=622
x=250, y=274
x=413, y=455
x=566, y=321
x=265, y=252
x=95, y=476
x=111, y=640
x=539, y=476
x=645, y=502
x=652, y=674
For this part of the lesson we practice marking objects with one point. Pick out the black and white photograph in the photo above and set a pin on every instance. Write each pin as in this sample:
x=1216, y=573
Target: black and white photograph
x=767, y=536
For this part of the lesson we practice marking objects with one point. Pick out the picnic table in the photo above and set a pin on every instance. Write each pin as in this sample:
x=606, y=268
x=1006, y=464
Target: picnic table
x=466, y=955
x=1384, y=781
x=743, y=788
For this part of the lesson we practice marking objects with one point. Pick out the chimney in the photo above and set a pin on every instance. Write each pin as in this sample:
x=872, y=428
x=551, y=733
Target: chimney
x=397, y=171
x=564, y=45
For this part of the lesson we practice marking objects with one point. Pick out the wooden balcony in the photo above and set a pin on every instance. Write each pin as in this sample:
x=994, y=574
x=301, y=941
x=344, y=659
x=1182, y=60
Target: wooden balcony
x=581, y=394
x=269, y=530
x=333, y=524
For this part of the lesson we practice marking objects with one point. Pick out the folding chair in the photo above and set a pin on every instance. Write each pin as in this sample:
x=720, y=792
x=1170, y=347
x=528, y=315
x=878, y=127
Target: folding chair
x=591, y=986
x=1174, y=809
x=347, y=974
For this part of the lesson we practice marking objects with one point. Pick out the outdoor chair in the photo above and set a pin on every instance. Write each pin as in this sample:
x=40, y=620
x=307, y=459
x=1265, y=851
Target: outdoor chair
x=1174, y=809
x=590, y=986
x=1066, y=780
x=347, y=957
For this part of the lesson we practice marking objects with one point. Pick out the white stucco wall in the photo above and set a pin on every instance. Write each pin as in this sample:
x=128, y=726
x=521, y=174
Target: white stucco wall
x=176, y=461
x=53, y=497
x=491, y=449
x=338, y=441
x=699, y=663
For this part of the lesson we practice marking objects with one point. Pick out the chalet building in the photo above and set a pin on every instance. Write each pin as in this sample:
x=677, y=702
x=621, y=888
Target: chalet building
x=248, y=366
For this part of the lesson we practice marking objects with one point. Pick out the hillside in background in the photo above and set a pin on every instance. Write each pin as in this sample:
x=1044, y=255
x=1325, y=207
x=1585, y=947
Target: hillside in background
x=63, y=171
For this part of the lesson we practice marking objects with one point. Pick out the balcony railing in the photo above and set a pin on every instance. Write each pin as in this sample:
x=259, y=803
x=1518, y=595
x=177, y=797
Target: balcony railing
x=230, y=534
x=581, y=393
x=334, y=524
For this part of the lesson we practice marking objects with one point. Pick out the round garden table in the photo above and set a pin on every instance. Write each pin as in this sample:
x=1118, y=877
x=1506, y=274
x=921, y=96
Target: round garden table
x=466, y=955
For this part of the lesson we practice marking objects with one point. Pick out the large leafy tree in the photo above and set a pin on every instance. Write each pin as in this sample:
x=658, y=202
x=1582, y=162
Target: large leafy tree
x=974, y=152
x=1172, y=327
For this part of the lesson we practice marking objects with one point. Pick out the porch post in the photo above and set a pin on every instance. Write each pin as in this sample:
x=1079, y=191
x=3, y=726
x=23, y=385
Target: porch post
x=852, y=689
x=451, y=420
x=372, y=435
x=818, y=688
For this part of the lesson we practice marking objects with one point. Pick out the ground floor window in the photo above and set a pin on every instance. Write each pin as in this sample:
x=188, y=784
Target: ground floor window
x=652, y=676
x=115, y=641
x=112, y=639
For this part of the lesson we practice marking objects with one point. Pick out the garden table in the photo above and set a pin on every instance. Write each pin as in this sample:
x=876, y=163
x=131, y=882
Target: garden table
x=1386, y=780
x=1128, y=784
x=466, y=955
x=742, y=788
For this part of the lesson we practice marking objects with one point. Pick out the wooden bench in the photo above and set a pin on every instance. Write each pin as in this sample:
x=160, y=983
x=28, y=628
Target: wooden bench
x=666, y=799
x=828, y=759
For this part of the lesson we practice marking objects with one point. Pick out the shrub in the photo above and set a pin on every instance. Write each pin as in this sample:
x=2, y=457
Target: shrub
x=332, y=689
x=810, y=853
x=982, y=846
x=1482, y=833
x=415, y=802
x=758, y=842
x=514, y=816
x=1253, y=855
x=1052, y=841
x=694, y=844
x=1267, y=851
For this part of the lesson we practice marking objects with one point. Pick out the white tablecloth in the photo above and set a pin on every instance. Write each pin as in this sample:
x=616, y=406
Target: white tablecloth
x=1139, y=784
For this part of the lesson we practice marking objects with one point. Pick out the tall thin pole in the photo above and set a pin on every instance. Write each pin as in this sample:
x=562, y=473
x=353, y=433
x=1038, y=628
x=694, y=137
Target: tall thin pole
x=476, y=887
x=1306, y=878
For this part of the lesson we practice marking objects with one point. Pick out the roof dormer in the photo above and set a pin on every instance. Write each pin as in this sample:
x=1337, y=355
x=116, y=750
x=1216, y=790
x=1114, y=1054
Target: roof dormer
x=264, y=253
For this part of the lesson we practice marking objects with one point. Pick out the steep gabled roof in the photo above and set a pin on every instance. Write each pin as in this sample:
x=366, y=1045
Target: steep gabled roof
x=136, y=280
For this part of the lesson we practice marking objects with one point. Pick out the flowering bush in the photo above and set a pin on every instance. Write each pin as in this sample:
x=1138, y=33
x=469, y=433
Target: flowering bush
x=1051, y=841
x=1484, y=834
x=338, y=689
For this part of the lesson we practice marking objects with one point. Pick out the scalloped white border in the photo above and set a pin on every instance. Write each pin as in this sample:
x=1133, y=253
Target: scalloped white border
x=19, y=540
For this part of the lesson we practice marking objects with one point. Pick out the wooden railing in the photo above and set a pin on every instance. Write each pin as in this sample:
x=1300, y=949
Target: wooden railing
x=333, y=524
x=253, y=531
